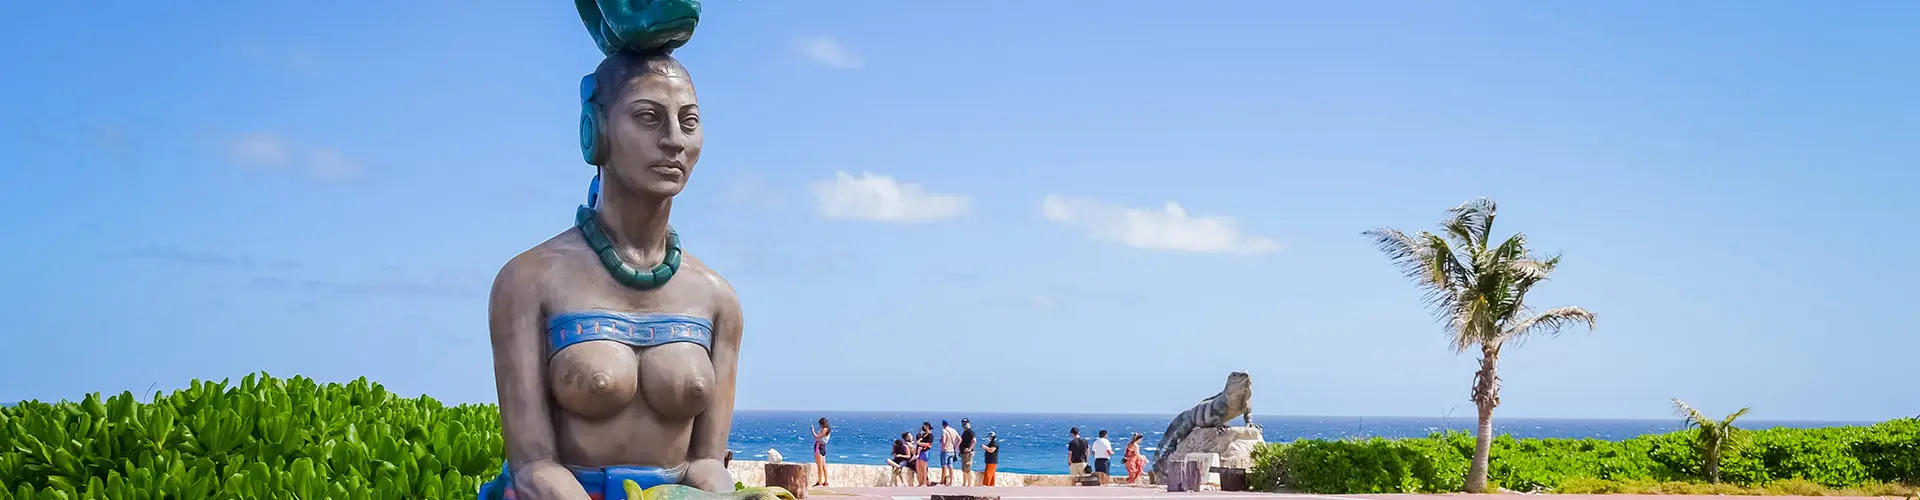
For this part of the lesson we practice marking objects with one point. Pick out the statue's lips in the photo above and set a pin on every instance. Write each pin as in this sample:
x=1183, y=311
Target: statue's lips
x=676, y=25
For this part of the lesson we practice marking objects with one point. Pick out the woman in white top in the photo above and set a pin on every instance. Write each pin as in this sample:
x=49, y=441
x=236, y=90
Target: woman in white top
x=821, y=433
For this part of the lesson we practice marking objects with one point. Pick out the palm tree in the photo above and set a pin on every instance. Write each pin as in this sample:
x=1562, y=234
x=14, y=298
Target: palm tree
x=1715, y=437
x=1479, y=289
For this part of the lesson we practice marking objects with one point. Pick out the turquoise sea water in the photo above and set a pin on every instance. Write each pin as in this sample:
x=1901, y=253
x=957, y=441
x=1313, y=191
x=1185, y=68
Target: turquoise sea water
x=1037, y=443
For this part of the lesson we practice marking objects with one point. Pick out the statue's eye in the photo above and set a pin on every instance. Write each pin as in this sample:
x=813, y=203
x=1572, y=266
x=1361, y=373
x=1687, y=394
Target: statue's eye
x=647, y=116
x=690, y=121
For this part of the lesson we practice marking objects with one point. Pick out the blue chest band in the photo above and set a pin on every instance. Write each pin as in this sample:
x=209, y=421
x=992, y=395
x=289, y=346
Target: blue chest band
x=637, y=330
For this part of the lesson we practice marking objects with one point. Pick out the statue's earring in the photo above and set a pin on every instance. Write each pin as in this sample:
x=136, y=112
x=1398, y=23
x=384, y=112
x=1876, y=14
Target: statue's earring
x=593, y=191
x=592, y=145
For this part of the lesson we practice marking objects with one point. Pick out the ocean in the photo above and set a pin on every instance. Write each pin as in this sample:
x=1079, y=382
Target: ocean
x=1037, y=443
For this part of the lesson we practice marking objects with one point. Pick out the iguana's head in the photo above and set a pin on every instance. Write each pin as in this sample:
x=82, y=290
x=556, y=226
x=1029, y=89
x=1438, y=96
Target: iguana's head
x=1239, y=383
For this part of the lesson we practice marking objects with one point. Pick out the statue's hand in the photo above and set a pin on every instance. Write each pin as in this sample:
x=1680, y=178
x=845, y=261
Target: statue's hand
x=708, y=474
x=547, y=481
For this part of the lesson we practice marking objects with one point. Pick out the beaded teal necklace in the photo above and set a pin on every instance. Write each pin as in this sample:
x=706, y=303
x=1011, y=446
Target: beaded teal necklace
x=623, y=272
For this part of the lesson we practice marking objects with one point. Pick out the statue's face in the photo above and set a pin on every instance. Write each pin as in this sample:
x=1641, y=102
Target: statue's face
x=653, y=132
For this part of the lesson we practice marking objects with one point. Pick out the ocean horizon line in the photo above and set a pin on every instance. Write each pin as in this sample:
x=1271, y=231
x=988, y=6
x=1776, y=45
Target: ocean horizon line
x=1169, y=415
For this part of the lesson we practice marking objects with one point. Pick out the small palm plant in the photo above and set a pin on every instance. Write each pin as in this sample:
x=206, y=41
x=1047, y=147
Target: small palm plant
x=1715, y=438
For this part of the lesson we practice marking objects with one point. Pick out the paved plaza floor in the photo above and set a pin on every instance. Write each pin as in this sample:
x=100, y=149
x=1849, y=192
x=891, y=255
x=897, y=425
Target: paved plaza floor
x=1127, y=493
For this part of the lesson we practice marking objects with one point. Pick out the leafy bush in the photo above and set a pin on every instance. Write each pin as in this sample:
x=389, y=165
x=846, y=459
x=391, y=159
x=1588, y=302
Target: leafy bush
x=1269, y=466
x=264, y=438
x=1779, y=460
x=1789, y=487
x=1369, y=466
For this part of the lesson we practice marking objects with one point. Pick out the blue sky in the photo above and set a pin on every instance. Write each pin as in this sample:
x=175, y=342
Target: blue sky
x=200, y=190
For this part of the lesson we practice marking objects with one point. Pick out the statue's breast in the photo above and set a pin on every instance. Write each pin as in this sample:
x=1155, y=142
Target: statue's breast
x=601, y=360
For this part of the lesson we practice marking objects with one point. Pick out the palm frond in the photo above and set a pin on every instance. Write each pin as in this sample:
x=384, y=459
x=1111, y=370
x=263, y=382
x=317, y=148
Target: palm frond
x=1694, y=418
x=1514, y=248
x=1550, y=322
x=1429, y=262
x=1478, y=321
x=1471, y=221
x=1529, y=269
x=1735, y=416
x=1407, y=253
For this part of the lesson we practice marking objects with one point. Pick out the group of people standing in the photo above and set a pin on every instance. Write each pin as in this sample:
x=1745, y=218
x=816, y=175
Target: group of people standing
x=1100, y=450
x=910, y=453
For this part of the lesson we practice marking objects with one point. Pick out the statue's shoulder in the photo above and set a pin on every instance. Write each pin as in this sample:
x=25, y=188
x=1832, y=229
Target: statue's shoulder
x=527, y=273
x=724, y=298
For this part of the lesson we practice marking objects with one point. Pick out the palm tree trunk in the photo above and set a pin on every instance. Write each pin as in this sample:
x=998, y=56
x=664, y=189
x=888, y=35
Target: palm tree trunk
x=1486, y=395
x=1482, y=448
x=1713, y=463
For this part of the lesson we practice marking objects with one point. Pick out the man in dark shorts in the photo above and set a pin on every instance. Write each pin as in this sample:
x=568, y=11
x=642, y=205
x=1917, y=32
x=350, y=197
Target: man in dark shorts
x=1076, y=454
x=1102, y=451
x=966, y=452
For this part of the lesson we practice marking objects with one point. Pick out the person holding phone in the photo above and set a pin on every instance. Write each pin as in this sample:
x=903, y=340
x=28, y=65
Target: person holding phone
x=821, y=433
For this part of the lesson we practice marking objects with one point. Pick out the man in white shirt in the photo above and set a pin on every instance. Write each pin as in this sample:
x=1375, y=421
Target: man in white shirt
x=1102, y=451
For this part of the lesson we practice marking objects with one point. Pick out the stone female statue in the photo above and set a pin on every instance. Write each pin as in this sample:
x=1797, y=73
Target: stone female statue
x=615, y=352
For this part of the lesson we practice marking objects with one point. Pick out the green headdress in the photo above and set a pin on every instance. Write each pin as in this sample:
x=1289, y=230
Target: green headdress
x=639, y=25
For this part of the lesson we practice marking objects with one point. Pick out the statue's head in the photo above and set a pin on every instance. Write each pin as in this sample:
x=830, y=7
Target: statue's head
x=640, y=123
x=1239, y=379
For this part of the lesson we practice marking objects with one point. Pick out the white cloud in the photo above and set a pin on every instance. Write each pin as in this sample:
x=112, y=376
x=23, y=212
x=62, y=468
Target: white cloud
x=259, y=149
x=269, y=150
x=1170, y=229
x=332, y=165
x=878, y=197
x=826, y=51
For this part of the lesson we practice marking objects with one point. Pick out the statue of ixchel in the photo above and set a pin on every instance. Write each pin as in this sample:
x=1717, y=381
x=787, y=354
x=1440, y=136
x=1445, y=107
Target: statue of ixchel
x=616, y=353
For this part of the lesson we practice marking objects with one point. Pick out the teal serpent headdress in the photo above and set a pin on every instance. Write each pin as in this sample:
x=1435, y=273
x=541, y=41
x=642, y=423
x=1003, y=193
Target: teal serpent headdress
x=639, y=26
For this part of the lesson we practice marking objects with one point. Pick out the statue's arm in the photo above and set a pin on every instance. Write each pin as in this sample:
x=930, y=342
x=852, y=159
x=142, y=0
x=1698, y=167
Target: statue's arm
x=706, y=468
x=519, y=368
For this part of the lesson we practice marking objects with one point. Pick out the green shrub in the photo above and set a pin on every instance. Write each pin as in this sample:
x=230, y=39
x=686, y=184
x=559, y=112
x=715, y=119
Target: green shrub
x=1372, y=466
x=1890, y=451
x=1880, y=457
x=1269, y=466
x=264, y=438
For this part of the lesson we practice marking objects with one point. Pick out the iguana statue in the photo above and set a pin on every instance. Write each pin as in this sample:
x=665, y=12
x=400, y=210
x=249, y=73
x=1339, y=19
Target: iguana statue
x=1233, y=401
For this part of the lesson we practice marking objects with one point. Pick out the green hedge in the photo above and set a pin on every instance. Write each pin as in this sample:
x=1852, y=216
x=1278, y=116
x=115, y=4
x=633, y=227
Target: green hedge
x=271, y=438
x=1836, y=457
x=264, y=438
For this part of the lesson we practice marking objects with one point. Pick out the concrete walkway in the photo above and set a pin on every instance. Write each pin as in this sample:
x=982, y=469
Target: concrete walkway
x=1126, y=493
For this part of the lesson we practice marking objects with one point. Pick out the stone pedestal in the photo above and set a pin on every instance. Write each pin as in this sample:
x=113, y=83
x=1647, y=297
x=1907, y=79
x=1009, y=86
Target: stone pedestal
x=1207, y=461
x=1232, y=479
x=794, y=477
x=1185, y=475
x=1232, y=445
